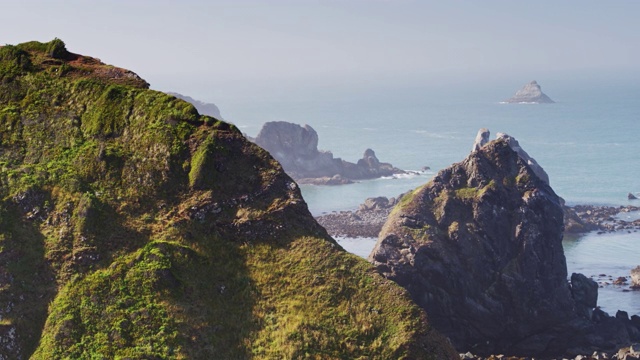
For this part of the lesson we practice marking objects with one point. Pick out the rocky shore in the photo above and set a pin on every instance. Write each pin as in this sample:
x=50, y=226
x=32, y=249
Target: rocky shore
x=368, y=220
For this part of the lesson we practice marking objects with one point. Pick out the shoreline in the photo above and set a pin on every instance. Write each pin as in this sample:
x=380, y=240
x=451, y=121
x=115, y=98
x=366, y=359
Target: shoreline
x=368, y=219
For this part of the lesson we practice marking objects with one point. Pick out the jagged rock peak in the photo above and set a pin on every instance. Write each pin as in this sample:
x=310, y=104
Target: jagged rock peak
x=531, y=93
x=483, y=138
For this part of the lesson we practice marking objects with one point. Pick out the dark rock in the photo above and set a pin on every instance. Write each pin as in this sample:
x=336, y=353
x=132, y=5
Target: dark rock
x=296, y=148
x=585, y=294
x=620, y=281
x=533, y=164
x=630, y=196
x=530, y=94
x=481, y=243
x=480, y=249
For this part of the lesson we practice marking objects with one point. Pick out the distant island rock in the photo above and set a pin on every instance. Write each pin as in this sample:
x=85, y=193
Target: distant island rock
x=202, y=107
x=296, y=148
x=530, y=94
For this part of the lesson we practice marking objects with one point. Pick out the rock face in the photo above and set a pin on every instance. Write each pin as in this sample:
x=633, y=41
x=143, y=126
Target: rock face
x=296, y=148
x=473, y=247
x=480, y=249
x=202, y=107
x=530, y=94
x=585, y=294
x=131, y=226
x=533, y=164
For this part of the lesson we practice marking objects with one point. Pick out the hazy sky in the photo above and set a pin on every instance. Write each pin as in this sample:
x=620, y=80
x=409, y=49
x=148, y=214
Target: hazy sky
x=236, y=47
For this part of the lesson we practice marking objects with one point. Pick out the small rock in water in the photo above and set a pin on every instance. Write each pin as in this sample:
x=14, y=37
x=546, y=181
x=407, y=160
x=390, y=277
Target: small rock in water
x=630, y=196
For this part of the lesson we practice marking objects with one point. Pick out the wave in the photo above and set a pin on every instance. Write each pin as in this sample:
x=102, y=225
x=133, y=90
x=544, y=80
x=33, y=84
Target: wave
x=434, y=135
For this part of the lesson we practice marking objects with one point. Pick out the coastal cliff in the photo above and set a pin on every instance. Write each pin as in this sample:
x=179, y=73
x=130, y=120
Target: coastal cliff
x=131, y=226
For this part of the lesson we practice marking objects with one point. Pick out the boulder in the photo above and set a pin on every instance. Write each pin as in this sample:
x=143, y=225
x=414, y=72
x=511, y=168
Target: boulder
x=630, y=196
x=531, y=93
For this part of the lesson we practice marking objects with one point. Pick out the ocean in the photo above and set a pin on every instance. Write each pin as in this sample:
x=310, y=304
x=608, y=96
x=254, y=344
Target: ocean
x=588, y=143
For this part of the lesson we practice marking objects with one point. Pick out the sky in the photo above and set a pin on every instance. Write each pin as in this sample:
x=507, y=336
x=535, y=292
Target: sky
x=224, y=50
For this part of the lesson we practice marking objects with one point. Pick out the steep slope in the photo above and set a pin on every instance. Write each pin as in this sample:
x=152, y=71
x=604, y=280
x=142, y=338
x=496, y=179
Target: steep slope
x=133, y=227
x=480, y=249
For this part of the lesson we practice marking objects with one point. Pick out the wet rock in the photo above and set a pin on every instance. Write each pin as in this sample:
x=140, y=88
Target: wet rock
x=630, y=196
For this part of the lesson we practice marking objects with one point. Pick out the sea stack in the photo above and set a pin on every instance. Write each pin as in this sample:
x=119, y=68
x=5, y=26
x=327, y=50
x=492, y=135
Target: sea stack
x=479, y=247
x=531, y=93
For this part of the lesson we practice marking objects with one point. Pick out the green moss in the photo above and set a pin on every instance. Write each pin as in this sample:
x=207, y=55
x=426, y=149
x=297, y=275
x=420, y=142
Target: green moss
x=137, y=228
x=109, y=115
x=467, y=193
x=201, y=166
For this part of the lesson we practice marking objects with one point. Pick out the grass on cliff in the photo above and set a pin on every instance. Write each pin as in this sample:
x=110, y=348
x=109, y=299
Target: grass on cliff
x=132, y=227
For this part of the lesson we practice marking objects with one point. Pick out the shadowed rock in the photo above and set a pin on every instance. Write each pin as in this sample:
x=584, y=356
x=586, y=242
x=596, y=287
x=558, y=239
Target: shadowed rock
x=480, y=249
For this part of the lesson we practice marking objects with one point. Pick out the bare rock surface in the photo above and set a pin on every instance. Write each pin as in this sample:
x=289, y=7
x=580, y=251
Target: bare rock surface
x=480, y=249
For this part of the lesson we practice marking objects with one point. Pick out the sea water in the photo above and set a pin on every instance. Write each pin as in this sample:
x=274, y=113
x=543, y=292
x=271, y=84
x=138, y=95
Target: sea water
x=588, y=143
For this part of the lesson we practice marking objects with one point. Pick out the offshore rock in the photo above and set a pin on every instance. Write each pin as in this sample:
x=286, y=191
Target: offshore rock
x=296, y=148
x=480, y=249
x=530, y=94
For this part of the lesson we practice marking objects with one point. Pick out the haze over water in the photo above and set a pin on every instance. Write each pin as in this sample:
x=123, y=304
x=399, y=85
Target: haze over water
x=587, y=142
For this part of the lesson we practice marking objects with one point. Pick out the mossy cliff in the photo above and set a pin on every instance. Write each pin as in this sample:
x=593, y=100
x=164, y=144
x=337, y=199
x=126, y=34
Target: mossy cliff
x=133, y=227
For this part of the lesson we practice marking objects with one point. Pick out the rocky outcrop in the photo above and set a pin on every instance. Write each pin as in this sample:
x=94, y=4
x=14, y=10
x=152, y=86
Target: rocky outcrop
x=202, y=107
x=585, y=294
x=631, y=196
x=296, y=148
x=481, y=139
x=530, y=94
x=480, y=248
